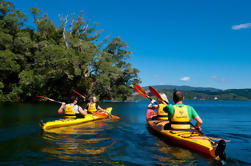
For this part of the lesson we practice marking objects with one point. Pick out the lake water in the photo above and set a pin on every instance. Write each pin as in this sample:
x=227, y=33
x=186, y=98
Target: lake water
x=124, y=142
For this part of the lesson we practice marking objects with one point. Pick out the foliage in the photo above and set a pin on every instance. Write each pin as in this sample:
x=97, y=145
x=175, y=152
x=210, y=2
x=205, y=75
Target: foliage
x=52, y=61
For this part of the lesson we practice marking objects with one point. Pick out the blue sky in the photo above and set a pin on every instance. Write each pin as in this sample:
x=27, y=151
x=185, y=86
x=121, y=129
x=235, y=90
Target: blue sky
x=174, y=42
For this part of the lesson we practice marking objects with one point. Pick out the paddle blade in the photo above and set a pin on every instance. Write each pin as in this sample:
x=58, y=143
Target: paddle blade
x=155, y=93
x=42, y=98
x=140, y=90
x=115, y=117
x=79, y=94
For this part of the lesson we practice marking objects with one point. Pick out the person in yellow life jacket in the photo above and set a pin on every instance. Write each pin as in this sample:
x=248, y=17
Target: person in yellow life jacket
x=72, y=110
x=161, y=114
x=180, y=115
x=92, y=106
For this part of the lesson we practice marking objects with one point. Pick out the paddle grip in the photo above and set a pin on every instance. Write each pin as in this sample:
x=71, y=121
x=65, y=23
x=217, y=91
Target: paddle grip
x=149, y=98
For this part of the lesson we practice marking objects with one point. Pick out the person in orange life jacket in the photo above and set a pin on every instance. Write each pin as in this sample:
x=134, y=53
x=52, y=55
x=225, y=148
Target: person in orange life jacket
x=180, y=114
x=161, y=114
x=92, y=106
x=72, y=110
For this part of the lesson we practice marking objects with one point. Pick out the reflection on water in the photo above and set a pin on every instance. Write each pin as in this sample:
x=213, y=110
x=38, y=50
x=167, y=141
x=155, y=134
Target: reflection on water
x=175, y=155
x=178, y=153
x=79, y=142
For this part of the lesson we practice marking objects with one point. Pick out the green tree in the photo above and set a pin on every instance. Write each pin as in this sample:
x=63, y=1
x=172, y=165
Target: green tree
x=52, y=61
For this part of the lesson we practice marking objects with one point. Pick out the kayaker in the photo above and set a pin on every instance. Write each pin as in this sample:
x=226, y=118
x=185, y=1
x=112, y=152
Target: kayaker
x=72, y=110
x=161, y=114
x=92, y=106
x=180, y=114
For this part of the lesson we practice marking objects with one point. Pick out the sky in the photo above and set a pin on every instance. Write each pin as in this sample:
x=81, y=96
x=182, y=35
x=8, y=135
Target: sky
x=174, y=42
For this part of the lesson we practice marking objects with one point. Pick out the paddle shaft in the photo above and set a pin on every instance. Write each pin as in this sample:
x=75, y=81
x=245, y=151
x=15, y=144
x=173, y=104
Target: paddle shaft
x=47, y=98
x=197, y=129
x=79, y=94
x=56, y=101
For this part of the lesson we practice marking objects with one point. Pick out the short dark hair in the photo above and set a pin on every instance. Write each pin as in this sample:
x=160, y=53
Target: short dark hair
x=177, y=96
x=73, y=98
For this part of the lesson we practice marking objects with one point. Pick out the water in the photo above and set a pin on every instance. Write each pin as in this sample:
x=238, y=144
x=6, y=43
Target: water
x=124, y=142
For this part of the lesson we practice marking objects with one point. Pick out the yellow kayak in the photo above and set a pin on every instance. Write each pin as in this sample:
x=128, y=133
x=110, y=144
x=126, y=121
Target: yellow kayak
x=68, y=122
x=187, y=138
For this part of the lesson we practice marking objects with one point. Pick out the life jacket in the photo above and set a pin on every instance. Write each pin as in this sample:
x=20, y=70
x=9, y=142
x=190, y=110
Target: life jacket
x=92, y=107
x=69, y=111
x=161, y=113
x=180, y=119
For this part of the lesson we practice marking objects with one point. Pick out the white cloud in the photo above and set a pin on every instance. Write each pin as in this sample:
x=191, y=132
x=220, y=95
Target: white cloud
x=241, y=26
x=185, y=79
x=217, y=78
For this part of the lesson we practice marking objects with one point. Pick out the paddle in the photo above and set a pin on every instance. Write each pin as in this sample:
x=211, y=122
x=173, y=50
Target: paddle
x=156, y=93
x=141, y=91
x=109, y=114
x=47, y=98
x=79, y=94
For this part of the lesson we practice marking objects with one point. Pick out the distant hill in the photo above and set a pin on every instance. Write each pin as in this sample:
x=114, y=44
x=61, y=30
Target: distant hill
x=186, y=88
x=201, y=93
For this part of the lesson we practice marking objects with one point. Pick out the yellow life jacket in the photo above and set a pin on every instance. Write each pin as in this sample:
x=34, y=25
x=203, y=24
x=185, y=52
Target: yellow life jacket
x=161, y=113
x=92, y=107
x=69, y=111
x=180, y=119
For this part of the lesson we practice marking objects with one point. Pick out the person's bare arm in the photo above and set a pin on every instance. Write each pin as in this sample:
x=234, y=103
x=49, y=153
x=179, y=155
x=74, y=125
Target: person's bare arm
x=151, y=106
x=198, y=122
x=101, y=109
x=81, y=111
x=61, y=109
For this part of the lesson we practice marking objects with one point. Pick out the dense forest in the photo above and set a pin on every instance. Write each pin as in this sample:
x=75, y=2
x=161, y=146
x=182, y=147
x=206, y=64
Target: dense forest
x=53, y=60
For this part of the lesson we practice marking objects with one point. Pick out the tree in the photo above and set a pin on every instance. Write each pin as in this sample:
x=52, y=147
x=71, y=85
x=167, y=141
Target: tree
x=52, y=61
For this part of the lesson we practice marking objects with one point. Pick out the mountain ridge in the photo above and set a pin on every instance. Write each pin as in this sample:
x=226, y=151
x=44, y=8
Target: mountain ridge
x=184, y=87
x=201, y=93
